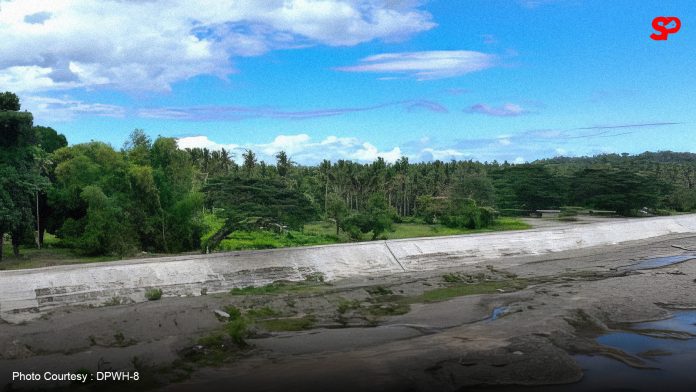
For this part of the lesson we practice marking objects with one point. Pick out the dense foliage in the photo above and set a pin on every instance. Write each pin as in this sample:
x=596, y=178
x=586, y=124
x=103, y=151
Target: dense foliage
x=152, y=196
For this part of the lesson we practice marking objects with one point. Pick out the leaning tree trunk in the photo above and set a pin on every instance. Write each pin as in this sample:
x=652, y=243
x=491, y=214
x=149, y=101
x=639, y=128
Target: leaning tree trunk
x=16, y=241
x=2, y=243
x=220, y=235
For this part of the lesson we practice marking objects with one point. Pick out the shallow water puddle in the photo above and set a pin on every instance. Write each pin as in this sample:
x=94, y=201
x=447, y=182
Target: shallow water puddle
x=673, y=360
x=498, y=312
x=659, y=262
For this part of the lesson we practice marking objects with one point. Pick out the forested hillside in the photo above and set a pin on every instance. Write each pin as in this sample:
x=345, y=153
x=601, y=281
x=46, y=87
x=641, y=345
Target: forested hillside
x=149, y=195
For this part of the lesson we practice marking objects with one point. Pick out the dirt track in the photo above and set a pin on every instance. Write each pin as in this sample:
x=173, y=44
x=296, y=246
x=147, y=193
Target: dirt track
x=547, y=309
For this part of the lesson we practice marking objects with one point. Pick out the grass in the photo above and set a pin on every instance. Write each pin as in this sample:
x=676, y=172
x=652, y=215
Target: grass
x=49, y=255
x=242, y=240
x=279, y=287
x=287, y=324
x=345, y=305
x=379, y=290
x=459, y=290
x=317, y=233
x=262, y=313
x=414, y=230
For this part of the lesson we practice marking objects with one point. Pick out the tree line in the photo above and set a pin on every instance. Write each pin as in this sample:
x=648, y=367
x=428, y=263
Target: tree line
x=149, y=195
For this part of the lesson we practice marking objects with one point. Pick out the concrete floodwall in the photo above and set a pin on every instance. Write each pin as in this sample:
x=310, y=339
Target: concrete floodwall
x=27, y=292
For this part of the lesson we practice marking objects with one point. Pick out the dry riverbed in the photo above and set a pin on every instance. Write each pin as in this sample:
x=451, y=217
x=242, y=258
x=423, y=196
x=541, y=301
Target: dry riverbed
x=503, y=323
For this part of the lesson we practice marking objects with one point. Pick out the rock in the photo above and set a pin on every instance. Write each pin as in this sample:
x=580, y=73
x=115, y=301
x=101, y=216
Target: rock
x=221, y=315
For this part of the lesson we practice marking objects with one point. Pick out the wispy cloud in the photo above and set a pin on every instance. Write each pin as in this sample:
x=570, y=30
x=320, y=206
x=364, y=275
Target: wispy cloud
x=638, y=125
x=489, y=39
x=595, y=131
x=66, y=108
x=456, y=91
x=426, y=105
x=601, y=96
x=428, y=65
x=235, y=113
x=505, y=110
x=535, y=3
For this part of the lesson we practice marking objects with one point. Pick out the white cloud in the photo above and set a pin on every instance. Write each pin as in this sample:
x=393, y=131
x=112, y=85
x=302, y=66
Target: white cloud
x=369, y=153
x=291, y=144
x=234, y=113
x=149, y=45
x=66, y=108
x=204, y=142
x=437, y=64
x=447, y=154
x=301, y=148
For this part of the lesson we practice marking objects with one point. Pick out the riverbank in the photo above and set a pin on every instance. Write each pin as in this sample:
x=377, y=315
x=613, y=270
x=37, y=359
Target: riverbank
x=504, y=321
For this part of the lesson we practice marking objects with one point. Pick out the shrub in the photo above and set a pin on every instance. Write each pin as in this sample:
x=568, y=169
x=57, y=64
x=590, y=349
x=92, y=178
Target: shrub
x=153, y=294
x=233, y=311
x=238, y=330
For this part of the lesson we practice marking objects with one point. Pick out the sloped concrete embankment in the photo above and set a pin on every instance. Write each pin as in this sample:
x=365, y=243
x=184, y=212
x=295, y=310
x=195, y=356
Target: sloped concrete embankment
x=25, y=293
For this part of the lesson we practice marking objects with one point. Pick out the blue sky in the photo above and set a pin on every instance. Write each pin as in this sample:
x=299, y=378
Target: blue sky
x=513, y=80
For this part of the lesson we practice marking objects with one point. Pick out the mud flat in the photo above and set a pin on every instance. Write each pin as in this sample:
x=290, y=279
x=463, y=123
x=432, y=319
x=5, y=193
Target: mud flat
x=24, y=294
x=524, y=321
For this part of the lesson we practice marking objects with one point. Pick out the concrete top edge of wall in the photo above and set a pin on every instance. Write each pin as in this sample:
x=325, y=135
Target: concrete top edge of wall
x=677, y=219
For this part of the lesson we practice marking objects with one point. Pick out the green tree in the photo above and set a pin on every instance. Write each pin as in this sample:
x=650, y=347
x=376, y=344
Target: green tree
x=617, y=189
x=463, y=213
x=477, y=187
x=49, y=140
x=377, y=218
x=249, y=163
x=283, y=163
x=253, y=203
x=336, y=210
x=9, y=101
x=529, y=186
x=21, y=178
x=105, y=231
x=137, y=147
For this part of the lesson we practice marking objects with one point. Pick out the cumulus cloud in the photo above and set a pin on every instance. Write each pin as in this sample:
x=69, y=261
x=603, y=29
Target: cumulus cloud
x=301, y=148
x=436, y=64
x=150, y=45
x=201, y=141
x=514, y=147
x=369, y=153
x=429, y=154
x=506, y=110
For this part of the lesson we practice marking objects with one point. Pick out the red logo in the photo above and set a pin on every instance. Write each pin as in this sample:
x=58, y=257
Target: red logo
x=660, y=24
